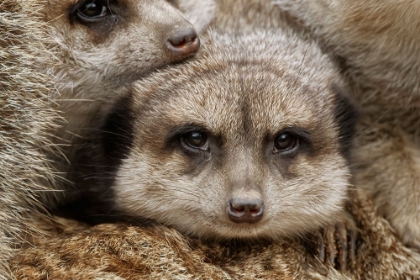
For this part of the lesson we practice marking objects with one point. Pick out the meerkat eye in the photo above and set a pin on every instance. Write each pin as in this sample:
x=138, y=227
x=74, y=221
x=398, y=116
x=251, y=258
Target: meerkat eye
x=285, y=142
x=195, y=140
x=92, y=11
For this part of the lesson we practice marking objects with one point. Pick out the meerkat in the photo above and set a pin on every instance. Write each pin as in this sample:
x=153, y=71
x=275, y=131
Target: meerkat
x=247, y=140
x=60, y=62
x=377, y=41
x=395, y=255
x=377, y=44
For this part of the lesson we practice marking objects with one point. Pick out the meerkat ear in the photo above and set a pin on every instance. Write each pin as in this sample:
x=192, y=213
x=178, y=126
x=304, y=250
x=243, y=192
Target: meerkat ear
x=346, y=115
x=117, y=131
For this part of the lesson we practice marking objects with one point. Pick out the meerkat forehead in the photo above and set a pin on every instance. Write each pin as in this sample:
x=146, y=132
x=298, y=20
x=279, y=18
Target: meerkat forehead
x=246, y=87
x=239, y=142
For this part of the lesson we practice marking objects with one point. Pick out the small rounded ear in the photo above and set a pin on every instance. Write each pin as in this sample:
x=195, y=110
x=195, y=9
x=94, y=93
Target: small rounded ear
x=346, y=115
x=199, y=13
x=118, y=131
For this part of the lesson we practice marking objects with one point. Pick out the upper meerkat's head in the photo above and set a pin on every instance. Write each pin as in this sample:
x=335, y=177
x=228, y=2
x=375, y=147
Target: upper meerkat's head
x=116, y=40
x=248, y=140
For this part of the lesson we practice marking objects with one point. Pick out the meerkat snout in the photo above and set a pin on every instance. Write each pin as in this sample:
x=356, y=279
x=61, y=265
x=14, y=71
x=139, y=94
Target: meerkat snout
x=184, y=42
x=245, y=199
x=245, y=209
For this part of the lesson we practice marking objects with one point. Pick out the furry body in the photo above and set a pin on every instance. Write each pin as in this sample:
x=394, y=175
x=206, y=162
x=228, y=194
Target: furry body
x=378, y=45
x=135, y=252
x=241, y=93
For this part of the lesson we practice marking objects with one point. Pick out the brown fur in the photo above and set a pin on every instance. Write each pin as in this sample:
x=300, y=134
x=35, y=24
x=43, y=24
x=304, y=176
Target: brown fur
x=378, y=43
x=199, y=13
x=115, y=251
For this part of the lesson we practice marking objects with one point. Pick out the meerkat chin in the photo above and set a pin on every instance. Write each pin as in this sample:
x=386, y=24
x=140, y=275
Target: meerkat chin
x=250, y=139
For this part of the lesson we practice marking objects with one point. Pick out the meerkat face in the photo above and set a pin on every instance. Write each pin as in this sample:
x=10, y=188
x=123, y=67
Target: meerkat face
x=121, y=39
x=237, y=144
x=101, y=45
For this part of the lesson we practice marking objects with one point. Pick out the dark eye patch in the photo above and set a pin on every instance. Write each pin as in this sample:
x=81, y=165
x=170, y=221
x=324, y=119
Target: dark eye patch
x=290, y=139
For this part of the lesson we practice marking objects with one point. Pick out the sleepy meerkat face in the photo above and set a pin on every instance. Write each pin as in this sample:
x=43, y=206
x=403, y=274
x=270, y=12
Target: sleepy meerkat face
x=248, y=140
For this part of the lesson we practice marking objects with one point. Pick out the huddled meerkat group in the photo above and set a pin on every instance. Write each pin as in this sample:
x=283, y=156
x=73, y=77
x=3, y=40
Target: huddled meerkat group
x=253, y=135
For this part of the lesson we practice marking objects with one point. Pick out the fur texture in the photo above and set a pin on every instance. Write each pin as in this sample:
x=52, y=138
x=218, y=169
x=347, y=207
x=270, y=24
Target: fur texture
x=380, y=256
x=199, y=13
x=26, y=120
x=115, y=251
x=378, y=43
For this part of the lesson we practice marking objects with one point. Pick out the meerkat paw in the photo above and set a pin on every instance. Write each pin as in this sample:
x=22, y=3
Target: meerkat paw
x=336, y=244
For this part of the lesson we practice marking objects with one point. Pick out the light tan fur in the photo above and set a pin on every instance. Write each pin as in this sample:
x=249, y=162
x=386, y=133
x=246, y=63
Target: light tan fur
x=242, y=91
x=378, y=43
x=199, y=13
x=377, y=39
x=26, y=119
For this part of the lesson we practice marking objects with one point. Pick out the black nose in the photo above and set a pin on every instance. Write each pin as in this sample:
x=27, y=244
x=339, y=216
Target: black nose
x=184, y=42
x=245, y=210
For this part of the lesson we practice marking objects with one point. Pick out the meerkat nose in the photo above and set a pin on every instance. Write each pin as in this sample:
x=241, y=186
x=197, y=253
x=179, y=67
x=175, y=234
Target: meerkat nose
x=245, y=210
x=184, y=42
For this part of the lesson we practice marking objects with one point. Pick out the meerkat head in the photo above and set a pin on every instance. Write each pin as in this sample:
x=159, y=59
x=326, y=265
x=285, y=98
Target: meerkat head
x=121, y=39
x=248, y=140
x=100, y=45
